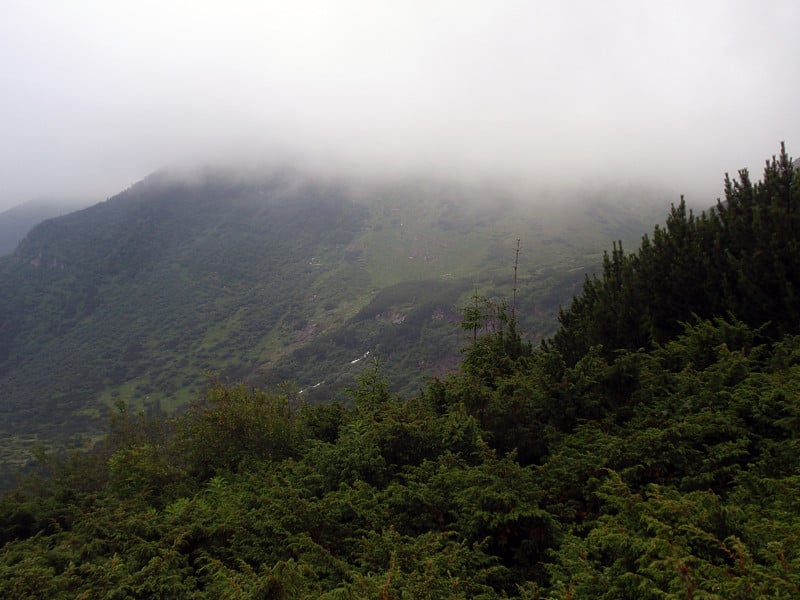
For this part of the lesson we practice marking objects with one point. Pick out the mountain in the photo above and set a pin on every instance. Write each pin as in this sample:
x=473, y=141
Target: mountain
x=16, y=222
x=628, y=457
x=284, y=277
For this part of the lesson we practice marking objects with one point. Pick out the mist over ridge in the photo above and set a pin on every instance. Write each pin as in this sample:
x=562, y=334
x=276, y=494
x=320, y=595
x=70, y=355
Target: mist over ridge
x=98, y=95
x=251, y=273
x=473, y=189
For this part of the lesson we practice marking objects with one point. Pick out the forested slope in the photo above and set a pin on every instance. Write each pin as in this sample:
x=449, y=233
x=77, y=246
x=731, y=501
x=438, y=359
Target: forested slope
x=637, y=454
x=265, y=277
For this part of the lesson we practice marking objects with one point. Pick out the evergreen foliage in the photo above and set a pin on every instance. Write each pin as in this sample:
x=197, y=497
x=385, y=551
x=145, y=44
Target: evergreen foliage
x=740, y=258
x=650, y=450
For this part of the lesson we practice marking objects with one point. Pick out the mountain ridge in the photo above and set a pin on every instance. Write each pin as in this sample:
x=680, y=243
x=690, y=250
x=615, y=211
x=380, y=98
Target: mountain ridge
x=18, y=221
x=286, y=277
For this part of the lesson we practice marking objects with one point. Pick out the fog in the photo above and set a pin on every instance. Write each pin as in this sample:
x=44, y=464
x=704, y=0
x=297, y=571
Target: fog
x=97, y=94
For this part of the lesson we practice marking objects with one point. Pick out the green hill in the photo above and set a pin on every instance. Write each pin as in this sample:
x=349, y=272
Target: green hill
x=283, y=277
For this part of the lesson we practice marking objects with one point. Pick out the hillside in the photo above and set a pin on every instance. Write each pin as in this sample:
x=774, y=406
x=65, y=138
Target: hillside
x=657, y=462
x=285, y=277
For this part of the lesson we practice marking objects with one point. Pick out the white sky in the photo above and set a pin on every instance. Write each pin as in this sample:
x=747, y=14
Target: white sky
x=94, y=95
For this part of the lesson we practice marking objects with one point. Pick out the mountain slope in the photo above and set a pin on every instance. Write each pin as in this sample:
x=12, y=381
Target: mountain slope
x=151, y=276
x=668, y=470
x=284, y=277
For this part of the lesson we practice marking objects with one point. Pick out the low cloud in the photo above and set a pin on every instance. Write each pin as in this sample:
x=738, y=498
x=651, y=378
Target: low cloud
x=98, y=95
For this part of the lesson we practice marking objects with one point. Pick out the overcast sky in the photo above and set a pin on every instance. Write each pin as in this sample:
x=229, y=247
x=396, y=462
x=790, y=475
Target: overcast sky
x=94, y=95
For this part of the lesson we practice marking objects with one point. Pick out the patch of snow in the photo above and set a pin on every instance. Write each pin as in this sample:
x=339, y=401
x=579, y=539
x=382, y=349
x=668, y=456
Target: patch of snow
x=362, y=357
x=316, y=385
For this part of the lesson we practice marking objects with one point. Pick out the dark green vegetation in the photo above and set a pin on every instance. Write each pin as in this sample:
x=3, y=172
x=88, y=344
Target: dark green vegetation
x=740, y=258
x=287, y=277
x=657, y=462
